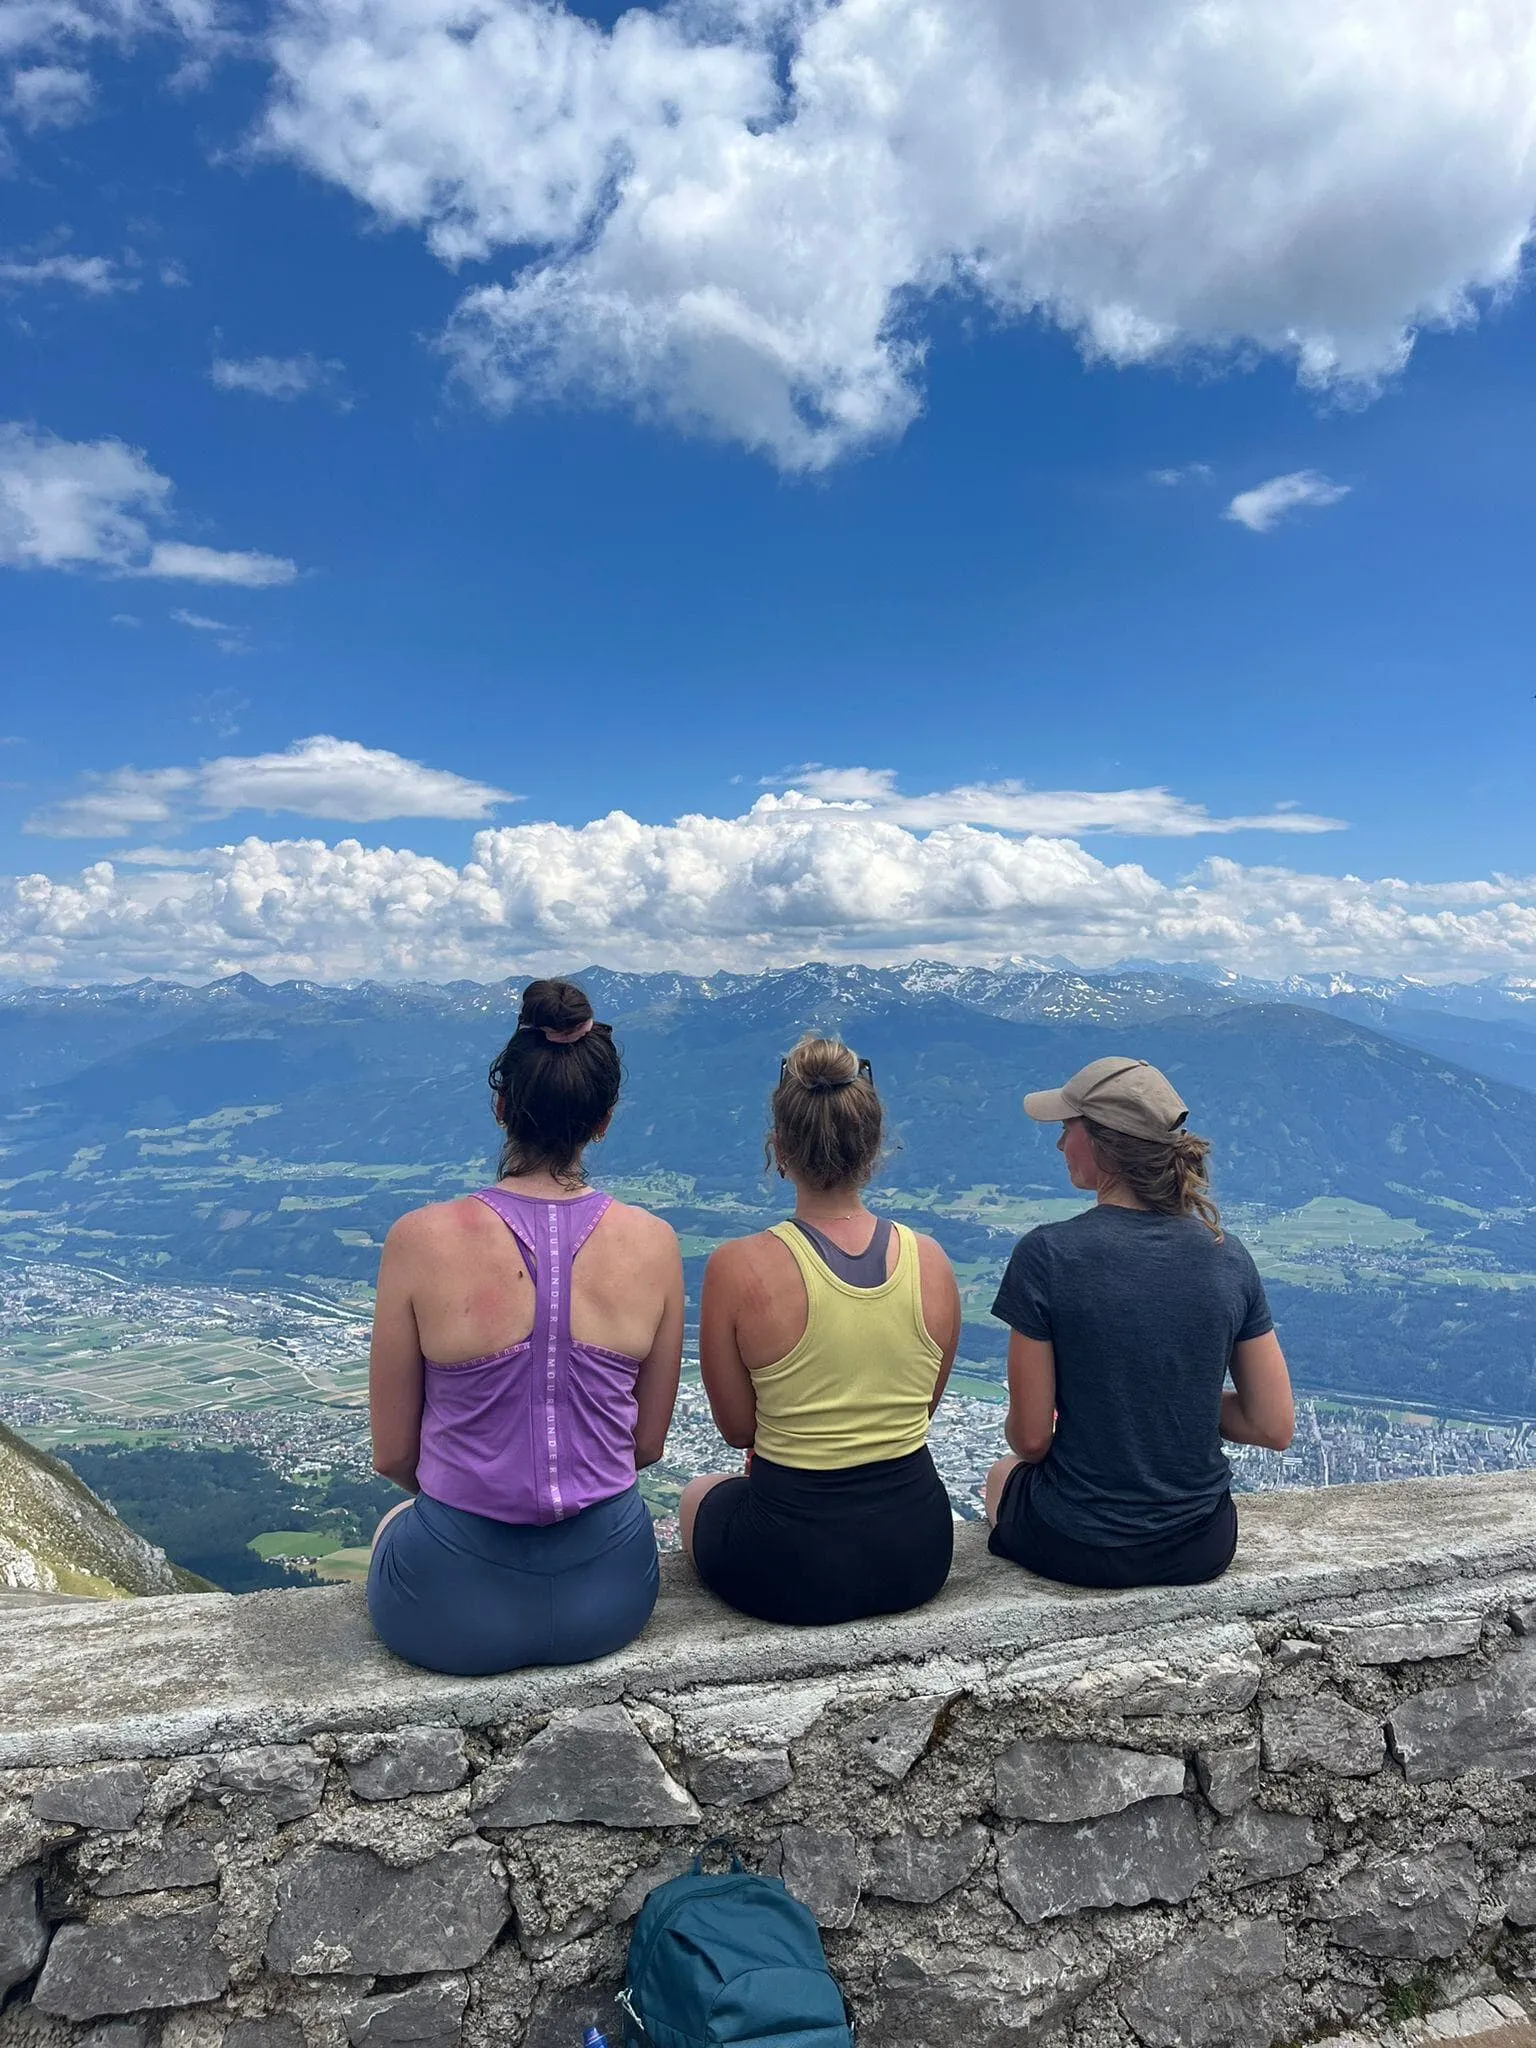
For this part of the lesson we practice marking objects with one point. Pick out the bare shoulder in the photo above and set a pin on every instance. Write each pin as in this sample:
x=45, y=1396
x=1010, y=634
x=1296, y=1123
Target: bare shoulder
x=435, y=1221
x=742, y=1255
x=639, y=1232
x=932, y=1259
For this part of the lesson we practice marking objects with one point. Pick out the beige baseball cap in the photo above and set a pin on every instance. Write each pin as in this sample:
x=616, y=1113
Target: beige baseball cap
x=1126, y=1095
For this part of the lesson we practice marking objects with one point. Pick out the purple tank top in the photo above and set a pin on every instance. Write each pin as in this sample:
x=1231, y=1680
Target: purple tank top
x=540, y=1431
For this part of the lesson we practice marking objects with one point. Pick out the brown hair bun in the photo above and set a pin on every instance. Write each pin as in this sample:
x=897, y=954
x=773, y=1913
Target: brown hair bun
x=828, y=1125
x=554, y=1090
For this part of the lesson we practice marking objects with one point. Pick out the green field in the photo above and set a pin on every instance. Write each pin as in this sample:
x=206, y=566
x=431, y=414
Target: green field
x=293, y=1543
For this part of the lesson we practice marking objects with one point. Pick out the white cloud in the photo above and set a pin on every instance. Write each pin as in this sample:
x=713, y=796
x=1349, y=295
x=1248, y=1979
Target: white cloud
x=732, y=213
x=48, y=95
x=1186, y=473
x=757, y=890
x=1013, y=807
x=281, y=377
x=97, y=276
x=91, y=504
x=1266, y=504
x=314, y=778
x=199, y=622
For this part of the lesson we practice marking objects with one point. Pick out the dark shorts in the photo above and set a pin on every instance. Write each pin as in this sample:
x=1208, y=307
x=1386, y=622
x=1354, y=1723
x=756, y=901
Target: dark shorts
x=457, y=1592
x=1188, y=1559
x=818, y=1547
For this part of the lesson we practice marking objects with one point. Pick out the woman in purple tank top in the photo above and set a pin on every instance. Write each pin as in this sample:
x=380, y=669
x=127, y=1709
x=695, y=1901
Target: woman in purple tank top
x=526, y=1347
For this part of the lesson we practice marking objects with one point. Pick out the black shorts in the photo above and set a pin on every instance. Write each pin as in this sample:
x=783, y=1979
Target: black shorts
x=1188, y=1559
x=816, y=1547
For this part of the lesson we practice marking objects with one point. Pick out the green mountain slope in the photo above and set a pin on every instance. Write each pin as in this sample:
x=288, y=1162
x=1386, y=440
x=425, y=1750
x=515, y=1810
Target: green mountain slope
x=57, y=1537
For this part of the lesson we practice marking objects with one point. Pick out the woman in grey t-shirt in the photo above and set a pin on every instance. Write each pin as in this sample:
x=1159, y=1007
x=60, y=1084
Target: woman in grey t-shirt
x=1126, y=1322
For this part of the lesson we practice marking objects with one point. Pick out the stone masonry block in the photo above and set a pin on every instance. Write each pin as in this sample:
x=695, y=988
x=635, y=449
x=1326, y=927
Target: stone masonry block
x=638, y=1886
x=273, y=2030
x=1047, y=1779
x=1322, y=1733
x=730, y=1777
x=919, y=1869
x=23, y=1931
x=593, y=1765
x=177, y=1866
x=133, y=1965
x=1204, y=1670
x=343, y=1912
x=1265, y=1846
x=821, y=1869
x=1484, y=1723
x=427, y=2015
x=1405, y=1642
x=405, y=1762
x=998, y=1999
x=1221, y=1989
x=287, y=1778
x=1229, y=1775
x=892, y=1740
x=110, y=1798
x=1520, y=1893
x=1415, y=1908
x=1151, y=1851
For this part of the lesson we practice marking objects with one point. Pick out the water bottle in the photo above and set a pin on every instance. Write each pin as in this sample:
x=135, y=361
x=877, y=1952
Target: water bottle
x=594, y=2037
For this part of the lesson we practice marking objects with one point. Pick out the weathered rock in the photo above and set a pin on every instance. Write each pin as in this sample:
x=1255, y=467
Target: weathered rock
x=1045, y=1779
x=1211, y=1670
x=638, y=1886
x=1405, y=1642
x=1414, y=1907
x=135, y=1965
x=176, y=1866
x=274, y=2030
x=1484, y=1723
x=115, y=2034
x=1229, y=1775
x=594, y=1766
x=1266, y=1846
x=1520, y=1893
x=730, y=1777
x=343, y=1911
x=428, y=2015
x=918, y=1869
x=1221, y=1989
x=559, y=2017
x=1322, y=1733
x=821, y=1869
x=1151, y=1851
x=111, y=1798
x=997, y=2000
x=892, y=1740
x=23, y=1930
x=1296, y=1650
x=287, y=1778
x=405, y=1762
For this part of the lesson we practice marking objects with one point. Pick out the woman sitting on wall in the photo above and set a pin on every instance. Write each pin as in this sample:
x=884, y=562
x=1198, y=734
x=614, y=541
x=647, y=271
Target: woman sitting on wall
x=526, y=1346
x=825, y=1344
x=1126, y=1321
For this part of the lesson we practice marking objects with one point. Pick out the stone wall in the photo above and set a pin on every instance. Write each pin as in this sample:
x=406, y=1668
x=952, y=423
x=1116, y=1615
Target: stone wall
x=1240, y=1813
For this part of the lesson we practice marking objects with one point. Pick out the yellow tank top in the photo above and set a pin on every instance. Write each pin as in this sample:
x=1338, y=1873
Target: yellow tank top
x=857, y=1385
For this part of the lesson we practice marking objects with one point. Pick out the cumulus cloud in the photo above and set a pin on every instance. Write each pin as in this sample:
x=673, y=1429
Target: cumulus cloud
x=733, y=215
x=1267, y=504
x=92, y=504
x=314, y=778
x=283, y=377
x=97, y=276
x=763, y=889
x=1014, y=807
x=46, y=95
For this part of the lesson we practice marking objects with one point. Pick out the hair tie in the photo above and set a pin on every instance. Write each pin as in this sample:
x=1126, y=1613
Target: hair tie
x=567, y=1037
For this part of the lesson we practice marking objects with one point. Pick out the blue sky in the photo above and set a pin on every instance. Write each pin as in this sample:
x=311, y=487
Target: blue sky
x=1006, y=552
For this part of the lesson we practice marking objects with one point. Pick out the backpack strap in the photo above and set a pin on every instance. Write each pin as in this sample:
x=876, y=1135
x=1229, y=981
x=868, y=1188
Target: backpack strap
x=738, y=1868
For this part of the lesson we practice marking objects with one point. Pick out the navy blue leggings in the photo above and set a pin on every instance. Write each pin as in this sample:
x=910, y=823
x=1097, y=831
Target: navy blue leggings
x=459, y=1593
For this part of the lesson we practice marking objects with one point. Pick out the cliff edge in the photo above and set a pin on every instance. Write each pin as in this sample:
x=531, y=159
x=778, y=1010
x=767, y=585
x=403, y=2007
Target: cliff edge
x=56, y=1536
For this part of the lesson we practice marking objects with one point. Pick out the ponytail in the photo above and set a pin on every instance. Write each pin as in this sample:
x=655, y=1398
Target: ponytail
x=1169, y=1175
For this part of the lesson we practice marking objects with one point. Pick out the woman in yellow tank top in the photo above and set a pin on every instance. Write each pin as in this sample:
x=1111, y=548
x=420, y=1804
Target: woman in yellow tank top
x=825, y=1344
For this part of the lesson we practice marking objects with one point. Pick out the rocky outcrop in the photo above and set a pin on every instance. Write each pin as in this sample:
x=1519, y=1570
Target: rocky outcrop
x=57, y=1537
x=1216, y=1817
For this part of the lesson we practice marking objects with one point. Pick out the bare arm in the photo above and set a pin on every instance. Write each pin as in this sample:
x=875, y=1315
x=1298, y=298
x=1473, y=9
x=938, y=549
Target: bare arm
x=726, y=1379
x=1031, y=1424
x=395, y=1372
x=941, y=1309
x=656, y=1381
x=1257, y=1407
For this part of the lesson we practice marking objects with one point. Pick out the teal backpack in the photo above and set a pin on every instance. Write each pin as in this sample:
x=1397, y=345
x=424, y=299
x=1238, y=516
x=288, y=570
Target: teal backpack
x=727, y=1962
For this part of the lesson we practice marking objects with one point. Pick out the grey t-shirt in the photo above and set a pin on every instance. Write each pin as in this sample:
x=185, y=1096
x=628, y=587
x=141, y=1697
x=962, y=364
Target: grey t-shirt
x=1143, y=1311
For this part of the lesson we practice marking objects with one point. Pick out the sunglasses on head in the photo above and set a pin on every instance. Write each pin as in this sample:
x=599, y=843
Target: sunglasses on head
x=865, y=1071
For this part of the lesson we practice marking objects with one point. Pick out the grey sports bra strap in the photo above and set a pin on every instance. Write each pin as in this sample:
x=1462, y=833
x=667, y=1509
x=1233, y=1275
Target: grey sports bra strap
x=857, y=1269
